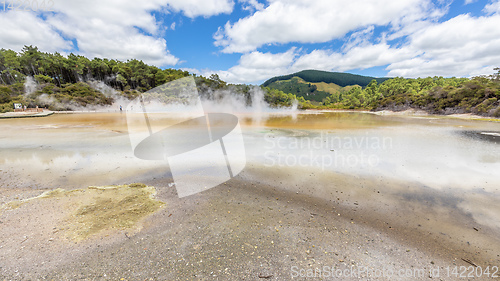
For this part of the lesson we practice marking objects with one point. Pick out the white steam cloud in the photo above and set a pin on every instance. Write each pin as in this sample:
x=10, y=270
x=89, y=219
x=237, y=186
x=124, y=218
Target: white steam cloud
x=29, y=85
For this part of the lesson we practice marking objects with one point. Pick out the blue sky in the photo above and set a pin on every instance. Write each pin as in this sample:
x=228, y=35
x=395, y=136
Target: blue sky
x=249, y=41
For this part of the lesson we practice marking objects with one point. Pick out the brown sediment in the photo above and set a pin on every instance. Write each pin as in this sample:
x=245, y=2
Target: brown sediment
x=98, y=208
x=113, y=207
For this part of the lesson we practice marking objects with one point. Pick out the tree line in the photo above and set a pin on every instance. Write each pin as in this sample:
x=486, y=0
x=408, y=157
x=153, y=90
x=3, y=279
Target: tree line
x=479, y=95
x=59, y=70
x=438, y=95
x=65, y=82
x=60, y=81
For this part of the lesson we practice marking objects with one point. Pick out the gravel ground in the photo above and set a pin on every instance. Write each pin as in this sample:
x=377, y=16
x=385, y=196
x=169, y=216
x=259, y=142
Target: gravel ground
x=252, y=229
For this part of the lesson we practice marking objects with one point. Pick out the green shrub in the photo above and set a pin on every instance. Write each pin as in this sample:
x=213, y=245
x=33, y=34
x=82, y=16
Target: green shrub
x=496, y=112
x=5, y=93
x=485, y=106
x=6, y=107
x=40, y=78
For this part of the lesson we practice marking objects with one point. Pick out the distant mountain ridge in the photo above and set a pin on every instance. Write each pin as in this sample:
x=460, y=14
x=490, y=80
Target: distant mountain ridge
x=317, y=85
x=317, y=76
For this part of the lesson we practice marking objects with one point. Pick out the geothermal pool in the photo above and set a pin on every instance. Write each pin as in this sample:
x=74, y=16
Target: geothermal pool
x=444, y=165
x=435, y=180
x=458, y=158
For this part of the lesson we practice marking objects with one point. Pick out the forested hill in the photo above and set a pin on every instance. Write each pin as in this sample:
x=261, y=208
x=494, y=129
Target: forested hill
x=318, y=76
x=58, y=82
x=59, y=70
x=316, y=85
x=479, y=95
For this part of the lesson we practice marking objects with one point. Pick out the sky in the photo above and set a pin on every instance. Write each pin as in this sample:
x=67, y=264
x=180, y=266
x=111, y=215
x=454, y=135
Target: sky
x=250, y=41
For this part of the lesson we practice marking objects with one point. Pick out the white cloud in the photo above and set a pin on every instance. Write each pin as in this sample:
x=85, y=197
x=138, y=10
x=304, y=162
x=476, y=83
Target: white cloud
x=195, y=8
x=111, y=29
x=256, y=66
x=456, y=32
x=192, y=70
x=306, y=21
x=413, y=42
x=461, y=46
x=418, y=19
x=358, y=38
x=118, y=29
x=361, y=57
x=251, y=5
x=20, y=28
x=492, y=8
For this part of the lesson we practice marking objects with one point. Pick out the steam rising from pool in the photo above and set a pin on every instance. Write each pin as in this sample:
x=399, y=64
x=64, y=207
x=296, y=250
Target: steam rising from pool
x=224, y=101
x=29, y=85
